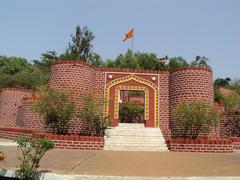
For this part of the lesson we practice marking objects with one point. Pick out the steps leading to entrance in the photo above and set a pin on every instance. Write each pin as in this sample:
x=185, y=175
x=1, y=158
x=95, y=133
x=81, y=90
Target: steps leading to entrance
x=134, y=137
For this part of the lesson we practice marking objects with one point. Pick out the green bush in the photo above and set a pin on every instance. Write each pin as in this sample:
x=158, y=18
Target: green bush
x=31, y=152
x=231, y=103
x=18, y=72
x=130, y=112
x=56, y=108
x=194, y=118
x=90, y=112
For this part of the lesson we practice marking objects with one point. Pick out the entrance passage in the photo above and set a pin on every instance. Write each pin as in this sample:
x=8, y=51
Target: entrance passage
x=131, y=106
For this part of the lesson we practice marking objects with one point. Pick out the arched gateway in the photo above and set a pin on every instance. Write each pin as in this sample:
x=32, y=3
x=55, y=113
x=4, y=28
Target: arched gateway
x=132, y=82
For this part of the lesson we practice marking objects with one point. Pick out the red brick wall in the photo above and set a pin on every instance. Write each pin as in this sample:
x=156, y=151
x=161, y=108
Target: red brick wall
x=236, y=143
x=60, y=141
x=77, y=78
x=163, y=84
x=205, y=146
x=27, y=118
x=99, y=84
x=77, y=142
x=190, y=84
x=10, y=99
x=13, y=133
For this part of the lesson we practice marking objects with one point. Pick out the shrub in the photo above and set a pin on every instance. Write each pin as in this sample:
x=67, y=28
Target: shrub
x=130, y=112
x=195, y=117
x=56, y=108
x=231, y=103
x=31, y=152
x=90, y=112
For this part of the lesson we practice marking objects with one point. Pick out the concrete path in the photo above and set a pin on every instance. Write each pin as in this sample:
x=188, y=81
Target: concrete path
x=145, y=164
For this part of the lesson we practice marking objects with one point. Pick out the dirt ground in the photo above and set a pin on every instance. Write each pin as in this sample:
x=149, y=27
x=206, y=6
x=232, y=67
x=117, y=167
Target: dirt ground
x=120, y=163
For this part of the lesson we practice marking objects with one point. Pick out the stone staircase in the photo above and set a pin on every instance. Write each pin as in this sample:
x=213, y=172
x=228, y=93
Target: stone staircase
x=134, y=137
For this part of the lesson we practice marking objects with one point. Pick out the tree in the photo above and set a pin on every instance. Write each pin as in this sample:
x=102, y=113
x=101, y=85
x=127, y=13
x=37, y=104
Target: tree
x=45, y=62
x=56, y=108
x=130, y=112
x=127, y=61
x=81, y=45
x=31, y=152
x=219, y=82
x=109, y=64
x=95, y=59
x=12, y=65
x=18, y=72
x=194, y=118
x=131, y=60
x=177, y=62
x=235, y=85
x=90, y=112
x=146, y=60
x=200, y=61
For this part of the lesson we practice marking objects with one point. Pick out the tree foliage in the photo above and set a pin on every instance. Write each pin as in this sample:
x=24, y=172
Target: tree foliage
x=194, y=118
x=31, y=152
x=149, y=61
x=130, y=112
x=18, y=72
x=95, y=121
x=200, y=61
x=81, y=45
x=56, y=108
x=231, y=102
x=220, y=82
x=45, y=62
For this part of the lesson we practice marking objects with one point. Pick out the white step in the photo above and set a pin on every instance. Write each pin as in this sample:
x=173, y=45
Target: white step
x=134, y=137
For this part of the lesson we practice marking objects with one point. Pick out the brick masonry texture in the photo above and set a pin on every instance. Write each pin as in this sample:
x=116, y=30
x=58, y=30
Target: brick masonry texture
x=78, y=78
x=190, y=84
x=10, y=100
x=27, y=118
x=203, y=146
x=60, y=141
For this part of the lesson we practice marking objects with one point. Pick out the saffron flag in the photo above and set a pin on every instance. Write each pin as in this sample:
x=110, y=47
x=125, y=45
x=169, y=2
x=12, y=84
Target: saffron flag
x=129, y=34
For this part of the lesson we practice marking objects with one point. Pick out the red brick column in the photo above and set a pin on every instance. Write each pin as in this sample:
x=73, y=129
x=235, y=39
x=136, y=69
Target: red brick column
x=189, y=84
x=29, y=119
x=10, y=100
x=77, y=78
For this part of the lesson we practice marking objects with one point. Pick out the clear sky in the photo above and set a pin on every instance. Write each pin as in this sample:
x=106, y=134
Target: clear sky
x=184, y=28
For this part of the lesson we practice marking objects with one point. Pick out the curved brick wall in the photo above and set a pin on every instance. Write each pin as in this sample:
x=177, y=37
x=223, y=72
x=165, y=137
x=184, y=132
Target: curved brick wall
x=27, y=118
x=10, y=99
x=76, y=77
x=188, y=84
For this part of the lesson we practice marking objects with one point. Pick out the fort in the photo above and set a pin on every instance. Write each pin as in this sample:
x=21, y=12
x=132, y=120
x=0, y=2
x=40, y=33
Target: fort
x=163, y=91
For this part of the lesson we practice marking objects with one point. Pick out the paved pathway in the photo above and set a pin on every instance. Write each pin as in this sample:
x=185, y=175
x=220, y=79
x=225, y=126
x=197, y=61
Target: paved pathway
x=117, y=163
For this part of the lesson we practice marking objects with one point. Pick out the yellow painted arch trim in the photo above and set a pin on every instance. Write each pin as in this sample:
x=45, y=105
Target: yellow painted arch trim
x=137, y=79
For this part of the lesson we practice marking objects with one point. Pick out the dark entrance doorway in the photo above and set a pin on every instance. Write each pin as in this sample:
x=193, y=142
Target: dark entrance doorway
x=131, y=106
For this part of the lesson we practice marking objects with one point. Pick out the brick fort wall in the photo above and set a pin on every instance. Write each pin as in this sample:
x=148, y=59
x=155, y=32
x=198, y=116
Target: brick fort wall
x=77, y=78
x=10, y=100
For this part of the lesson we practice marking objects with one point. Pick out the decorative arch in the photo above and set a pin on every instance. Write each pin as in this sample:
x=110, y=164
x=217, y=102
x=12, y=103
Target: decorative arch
x=117, y=93
x=139, y=80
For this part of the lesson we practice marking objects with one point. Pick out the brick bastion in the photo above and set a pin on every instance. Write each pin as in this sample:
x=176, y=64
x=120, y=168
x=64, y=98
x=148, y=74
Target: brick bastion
x=166, y=89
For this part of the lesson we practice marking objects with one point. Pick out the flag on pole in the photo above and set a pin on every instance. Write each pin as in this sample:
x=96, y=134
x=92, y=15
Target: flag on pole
x=129, y=34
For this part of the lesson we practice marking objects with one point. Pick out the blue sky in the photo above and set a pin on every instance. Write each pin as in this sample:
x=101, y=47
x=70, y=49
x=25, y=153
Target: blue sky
x=184, y=28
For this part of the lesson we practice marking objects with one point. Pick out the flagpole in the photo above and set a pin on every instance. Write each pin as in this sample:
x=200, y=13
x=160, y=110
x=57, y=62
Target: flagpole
x=132, y=42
